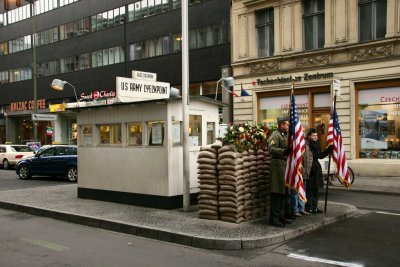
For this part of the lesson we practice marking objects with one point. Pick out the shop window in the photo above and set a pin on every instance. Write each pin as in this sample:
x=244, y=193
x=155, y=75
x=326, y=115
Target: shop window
x=322, y=100
x=273, y=107
x=134, y=134
x=372, y=19
x=156, y=131
x=195, y=130
x=379, y=123
x=87, y=135
x=265, y=32
x=210, y=133
x=314, y=24
x=110, y=134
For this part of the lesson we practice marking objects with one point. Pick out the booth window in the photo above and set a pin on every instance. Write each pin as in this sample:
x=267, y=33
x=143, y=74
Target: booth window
x=87, y=135
x=379, y=123
x=195, y=137
x=210, y=132
x=176, y=133
x=156, y=133
x=110, y=134
x=134, y=134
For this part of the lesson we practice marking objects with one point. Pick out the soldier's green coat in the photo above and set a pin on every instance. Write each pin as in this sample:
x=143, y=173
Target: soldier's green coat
x=277, y=143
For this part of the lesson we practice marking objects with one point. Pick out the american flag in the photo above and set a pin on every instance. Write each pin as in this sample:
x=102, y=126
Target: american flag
x=293, y=175
x=339, y=156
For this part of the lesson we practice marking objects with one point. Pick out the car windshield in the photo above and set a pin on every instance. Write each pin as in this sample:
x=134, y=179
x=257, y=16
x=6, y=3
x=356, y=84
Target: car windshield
x=21, y=149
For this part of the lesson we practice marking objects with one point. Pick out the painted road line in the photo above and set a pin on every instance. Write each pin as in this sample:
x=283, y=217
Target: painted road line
x=45, y=244
x=388, y=213
x=315, y=259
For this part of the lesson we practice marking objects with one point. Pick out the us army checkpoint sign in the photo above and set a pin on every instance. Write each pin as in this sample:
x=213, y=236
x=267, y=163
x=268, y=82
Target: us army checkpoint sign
x=133, y=90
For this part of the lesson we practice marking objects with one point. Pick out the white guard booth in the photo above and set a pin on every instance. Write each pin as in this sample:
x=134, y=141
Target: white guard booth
x=132, y=152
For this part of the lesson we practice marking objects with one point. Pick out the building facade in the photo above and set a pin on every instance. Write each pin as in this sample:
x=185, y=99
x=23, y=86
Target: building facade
x=88, y=44
x=314, y=42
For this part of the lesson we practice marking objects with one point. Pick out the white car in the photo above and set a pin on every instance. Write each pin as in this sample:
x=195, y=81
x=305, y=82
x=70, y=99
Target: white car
x=11, y=154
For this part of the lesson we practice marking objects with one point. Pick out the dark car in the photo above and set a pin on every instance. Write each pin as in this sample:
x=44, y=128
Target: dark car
x=53, y=161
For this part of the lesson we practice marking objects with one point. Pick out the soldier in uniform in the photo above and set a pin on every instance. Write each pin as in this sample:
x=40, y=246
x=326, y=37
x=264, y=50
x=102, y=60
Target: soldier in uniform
x=278, y=147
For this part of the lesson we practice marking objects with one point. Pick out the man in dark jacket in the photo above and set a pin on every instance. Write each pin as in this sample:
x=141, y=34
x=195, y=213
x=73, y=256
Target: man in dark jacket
x=278, y=147
x=315, y=180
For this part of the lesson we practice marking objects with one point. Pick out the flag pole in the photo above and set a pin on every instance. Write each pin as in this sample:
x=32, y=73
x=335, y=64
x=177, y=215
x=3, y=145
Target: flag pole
x=330, y=156
x=287, y=202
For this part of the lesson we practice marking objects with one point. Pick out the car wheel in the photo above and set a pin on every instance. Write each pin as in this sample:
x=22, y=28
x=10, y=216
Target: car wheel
x=72, y=174
x=24, y=172
x=6, y=164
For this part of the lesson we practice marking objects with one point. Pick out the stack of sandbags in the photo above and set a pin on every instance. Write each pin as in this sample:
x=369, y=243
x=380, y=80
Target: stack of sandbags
x=268, y=184
x=208, y=180
x=231, y=184
x=263, y=160
x=254, y=185
x=248, y=203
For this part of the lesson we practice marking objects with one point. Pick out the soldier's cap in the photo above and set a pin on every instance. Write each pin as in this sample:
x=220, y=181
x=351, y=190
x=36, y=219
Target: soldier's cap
x=282, y=119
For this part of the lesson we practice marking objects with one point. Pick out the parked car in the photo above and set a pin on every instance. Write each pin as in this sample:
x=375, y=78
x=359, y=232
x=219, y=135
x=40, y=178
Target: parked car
x=59, y=160
x=11, y=154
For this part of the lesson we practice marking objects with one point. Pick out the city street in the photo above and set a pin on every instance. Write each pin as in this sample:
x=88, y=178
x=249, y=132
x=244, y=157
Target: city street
x=366, y=240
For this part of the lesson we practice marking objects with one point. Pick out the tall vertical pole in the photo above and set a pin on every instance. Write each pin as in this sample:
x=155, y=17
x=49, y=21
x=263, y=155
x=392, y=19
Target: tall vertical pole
x=329, y=162
x=34, y=74
x=185, y=105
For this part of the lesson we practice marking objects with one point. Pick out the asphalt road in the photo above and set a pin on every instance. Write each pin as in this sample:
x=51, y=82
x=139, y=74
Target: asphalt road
x=10, y=180
x=370, y=239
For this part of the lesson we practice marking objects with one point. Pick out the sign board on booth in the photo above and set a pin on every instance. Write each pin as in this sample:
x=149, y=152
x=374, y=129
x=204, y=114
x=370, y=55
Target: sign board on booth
x=133, y=90
x=141, y=75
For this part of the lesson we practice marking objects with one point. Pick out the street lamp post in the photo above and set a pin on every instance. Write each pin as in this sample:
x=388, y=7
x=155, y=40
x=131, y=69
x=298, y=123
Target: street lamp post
x=225, y=83
x=185, y=106
x=58, y=85
x=34, y=74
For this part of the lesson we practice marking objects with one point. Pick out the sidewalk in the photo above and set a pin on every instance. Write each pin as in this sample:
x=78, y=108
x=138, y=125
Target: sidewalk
x=60, y=202
x=381, y=185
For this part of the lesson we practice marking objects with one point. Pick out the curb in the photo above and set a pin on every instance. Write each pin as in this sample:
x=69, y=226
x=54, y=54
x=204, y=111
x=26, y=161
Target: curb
x=178, y=238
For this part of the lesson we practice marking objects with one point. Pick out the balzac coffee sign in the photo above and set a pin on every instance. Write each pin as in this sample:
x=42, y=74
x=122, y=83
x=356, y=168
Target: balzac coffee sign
x=97, y=95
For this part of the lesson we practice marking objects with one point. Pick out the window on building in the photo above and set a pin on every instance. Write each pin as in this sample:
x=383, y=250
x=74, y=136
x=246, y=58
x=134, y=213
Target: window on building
x=372, y=19
x=276, y=106
x=108, y=56
x=379, y=123
x=3, y=48
x=195, y=130
x=156, y=131
x=20, y=74
x=314, y=24
x=4, y=77
x=87, y=135
x=134, y=134
x=265, y=32
x=75, y=63
x=149, y=48
x=110, y=134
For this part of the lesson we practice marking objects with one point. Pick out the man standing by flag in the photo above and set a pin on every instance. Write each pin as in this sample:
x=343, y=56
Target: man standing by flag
x=278, y=147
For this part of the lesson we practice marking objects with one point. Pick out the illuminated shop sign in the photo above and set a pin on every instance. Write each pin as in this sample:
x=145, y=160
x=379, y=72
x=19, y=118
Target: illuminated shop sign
x=96, y=95
x=27, y=105
x=305, y=77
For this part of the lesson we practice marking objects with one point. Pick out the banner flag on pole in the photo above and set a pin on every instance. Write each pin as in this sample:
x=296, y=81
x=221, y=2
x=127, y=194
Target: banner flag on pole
x=339, y=156
x=293, y=174
x=242, y=91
